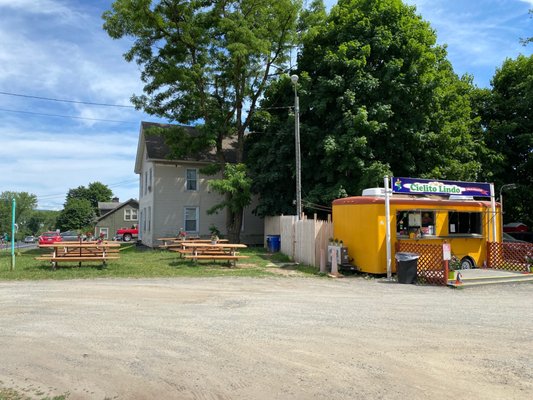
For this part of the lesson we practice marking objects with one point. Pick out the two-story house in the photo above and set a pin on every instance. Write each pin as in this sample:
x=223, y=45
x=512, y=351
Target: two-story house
x=115, y=215
x=174, y=194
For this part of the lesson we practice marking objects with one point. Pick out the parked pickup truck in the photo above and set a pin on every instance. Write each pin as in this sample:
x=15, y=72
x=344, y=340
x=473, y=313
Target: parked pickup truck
x=126, y=234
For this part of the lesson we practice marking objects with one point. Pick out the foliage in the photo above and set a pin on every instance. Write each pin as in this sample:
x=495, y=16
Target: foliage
x=508, y=124
x=236, y=190
x=377, y=96
x=41, y=221
x=78, y=214
x=25, y=204
x=526, y=41
x=95, y=192
x=204, y=62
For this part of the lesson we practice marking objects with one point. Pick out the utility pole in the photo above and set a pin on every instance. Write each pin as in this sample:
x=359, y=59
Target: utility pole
x=294, y=80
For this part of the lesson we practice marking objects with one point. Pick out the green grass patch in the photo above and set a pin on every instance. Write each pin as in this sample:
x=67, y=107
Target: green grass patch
x=11, y=394
x=139, y=262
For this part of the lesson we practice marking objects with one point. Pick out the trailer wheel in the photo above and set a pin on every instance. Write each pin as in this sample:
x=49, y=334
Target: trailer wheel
x=467, y=263
x=126, y=237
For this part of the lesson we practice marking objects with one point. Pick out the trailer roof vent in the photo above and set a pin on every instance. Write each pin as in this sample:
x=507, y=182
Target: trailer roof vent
x=374, y=192
x=460, y=197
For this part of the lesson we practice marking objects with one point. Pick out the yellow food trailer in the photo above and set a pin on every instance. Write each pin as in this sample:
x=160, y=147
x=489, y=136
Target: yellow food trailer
x=467, y=224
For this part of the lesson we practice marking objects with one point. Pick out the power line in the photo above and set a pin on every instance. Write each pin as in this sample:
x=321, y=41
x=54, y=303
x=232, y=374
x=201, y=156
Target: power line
x=65, y=101
x=60, y=195
x=66, y=116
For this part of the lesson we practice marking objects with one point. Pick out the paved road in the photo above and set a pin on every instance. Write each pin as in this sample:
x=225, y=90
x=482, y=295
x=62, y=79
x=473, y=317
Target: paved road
x=276, y=338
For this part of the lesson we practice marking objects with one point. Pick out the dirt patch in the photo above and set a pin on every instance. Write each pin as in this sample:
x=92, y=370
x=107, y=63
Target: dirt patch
x=265, y=338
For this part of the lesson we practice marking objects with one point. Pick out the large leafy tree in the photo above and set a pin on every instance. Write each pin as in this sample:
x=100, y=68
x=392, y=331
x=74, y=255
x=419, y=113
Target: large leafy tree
x=25, y=204
x=377, y=96
x=81, y=206
x=206, y=63
x=95, y=192
x=508, y=122
x=78, y=214
x=40, y=221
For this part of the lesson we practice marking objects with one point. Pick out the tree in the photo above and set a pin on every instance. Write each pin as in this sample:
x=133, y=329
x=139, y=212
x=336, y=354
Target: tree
x=207, y=63
x=238, y=184
x=526, y=41
x=95, y=192
x=25, y=204
x=78, y=214
x=40, y=221
x=377, y=96
x=507, y=120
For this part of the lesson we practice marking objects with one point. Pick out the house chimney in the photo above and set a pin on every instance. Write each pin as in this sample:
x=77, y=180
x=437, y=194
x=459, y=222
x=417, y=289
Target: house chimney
x=115, y=200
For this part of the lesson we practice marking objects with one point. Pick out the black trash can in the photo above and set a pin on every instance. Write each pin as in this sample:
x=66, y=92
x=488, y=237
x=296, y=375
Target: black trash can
x=406, y=267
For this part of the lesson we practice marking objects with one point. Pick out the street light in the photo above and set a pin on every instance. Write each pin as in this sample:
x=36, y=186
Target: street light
x=294, y=80
x=506, y=186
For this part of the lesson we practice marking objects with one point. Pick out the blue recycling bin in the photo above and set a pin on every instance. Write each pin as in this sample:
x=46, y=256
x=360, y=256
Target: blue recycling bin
x=273, y=243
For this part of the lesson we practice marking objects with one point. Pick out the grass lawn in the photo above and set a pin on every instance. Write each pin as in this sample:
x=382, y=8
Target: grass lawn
x=140, y=262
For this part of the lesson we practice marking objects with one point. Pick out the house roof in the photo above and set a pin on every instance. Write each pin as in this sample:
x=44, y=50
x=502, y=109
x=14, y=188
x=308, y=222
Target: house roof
x=133, y=202
x=158, y=150
x=107, y=205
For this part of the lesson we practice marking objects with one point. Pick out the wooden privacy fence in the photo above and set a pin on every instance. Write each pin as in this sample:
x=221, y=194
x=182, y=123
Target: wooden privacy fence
x=303, y=241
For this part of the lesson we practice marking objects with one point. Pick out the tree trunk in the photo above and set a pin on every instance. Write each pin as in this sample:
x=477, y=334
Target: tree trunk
x=233, y=225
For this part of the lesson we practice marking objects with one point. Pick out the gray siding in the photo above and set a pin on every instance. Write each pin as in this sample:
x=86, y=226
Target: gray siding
x=115, y=220
x=169, y=197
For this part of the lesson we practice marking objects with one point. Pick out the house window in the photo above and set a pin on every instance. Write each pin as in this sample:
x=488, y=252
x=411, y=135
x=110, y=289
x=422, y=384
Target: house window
x=464, y=222
x=191, y=219
x=416, y=222
x=192, y=179
x=141, y=186
x=149, y=218
x=104, y=232
x=145, y=182
x=143, y=219
x=130, y=214
x=150, y=181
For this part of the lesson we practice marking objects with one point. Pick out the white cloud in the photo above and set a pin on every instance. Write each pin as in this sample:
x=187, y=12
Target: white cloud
x=41, y=7
x=49, y=164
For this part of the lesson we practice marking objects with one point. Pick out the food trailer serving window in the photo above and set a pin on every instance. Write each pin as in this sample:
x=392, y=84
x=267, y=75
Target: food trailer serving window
x=464, y=222
x=415, y=221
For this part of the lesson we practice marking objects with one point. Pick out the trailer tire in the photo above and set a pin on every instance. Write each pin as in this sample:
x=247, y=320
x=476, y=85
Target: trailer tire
x=126, y=237
x=467, y=263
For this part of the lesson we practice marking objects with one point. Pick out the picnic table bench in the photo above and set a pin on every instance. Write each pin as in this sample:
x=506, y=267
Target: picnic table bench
x=80, y=252
x=208, y=251
x=169, y=243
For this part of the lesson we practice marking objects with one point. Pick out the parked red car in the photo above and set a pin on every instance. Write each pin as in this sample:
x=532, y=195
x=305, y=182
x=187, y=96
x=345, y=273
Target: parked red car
x=50, y=237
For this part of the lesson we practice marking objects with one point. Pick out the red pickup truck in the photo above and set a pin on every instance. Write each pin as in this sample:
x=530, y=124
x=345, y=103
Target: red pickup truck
x=126, y=234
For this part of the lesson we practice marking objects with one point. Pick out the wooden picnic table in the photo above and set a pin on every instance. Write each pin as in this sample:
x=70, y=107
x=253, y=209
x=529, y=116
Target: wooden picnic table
x=207, y=251
x=80, y=252
x=176, y=242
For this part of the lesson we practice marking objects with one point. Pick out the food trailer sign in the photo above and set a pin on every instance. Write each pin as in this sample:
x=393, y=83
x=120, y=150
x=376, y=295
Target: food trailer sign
x=446, y=188
x=446, y=251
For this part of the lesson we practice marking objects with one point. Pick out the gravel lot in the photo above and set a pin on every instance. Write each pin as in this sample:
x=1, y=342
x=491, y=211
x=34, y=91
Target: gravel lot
x=275, y=338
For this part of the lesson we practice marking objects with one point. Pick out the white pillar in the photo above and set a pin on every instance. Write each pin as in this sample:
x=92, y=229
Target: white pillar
x=387, y=227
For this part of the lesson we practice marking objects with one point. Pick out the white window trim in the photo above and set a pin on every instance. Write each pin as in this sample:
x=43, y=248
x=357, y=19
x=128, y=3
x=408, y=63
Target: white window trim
x=187, y=179
x=129, y=216
x=105, y=231
x=197, y=218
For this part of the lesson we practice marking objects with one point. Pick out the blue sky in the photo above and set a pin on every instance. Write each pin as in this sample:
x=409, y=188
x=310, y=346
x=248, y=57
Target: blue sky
x=57, y=49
